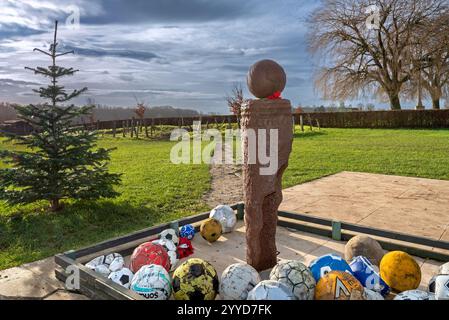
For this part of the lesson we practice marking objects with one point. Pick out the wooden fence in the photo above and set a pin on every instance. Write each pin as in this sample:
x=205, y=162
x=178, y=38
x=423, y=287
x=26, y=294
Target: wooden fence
x=430, y=119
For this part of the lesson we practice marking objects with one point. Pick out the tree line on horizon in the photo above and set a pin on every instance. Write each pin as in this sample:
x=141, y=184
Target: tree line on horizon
x=107, y=113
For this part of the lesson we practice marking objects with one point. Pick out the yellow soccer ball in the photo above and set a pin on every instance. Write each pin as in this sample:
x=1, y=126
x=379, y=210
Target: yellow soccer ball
x=339, y=285
x=211, y=230
x=400, y=271
x=195, y=280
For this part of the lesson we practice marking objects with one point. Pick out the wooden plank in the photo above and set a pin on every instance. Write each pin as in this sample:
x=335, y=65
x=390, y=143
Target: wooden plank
x=345, y=236
x=305, y=218
x=91, y=281
x=135, y=236
x=368, y=230
x=396, y=236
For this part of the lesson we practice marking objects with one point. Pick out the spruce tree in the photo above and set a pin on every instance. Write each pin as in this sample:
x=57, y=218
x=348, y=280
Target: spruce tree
x=59, y=162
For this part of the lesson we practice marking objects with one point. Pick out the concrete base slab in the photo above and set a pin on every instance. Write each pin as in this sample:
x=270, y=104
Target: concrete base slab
x=65, y=295
x=403, y=204
x=21, y=283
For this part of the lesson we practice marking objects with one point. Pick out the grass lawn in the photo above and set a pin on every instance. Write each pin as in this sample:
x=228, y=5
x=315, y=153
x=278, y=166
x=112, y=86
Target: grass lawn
x=418, y=153
x=154, y=190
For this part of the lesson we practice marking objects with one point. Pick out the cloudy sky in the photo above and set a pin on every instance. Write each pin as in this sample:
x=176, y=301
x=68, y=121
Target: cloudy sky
x=185, y=53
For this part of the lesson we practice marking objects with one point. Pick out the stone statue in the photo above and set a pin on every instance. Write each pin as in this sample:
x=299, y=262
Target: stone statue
x=262, y=187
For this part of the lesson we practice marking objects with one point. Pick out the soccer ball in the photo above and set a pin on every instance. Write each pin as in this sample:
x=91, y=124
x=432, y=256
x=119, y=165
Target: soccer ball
x=400, y=271
x=415, y=295
x=169, y=235
x=364, y=271
x=271, y=290
x=102, y=269
x=149, y=253
x=297, y=277
x=365, y=246
x=122, y=277
x=444, y=269
x=211, y=230
x=327, y=263
x=226, y=216
x=431, y=286
x=171, y=249
x=442, y=287
x=373, y=295
x=237, y=281
x=339, y=285
x=173, y=255
x=195, y=280
x=106, y=264
x=152, y=282
x=187, y=231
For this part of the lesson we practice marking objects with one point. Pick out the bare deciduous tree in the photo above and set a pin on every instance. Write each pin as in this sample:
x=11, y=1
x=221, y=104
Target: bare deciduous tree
x=360, y=58
x=235, y=100
x=433, y=44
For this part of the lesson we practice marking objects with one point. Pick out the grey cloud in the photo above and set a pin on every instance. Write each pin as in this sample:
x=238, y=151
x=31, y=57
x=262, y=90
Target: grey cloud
x=11, y=82
x=8, y=31
x=128, y=54
x=155, y=11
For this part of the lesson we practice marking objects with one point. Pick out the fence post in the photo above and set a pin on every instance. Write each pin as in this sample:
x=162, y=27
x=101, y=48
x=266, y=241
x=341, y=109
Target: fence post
x=114, y=128
x=240, y=211
x=336, y=230
x=145, y=123
x=301, y=122
x=310, y=122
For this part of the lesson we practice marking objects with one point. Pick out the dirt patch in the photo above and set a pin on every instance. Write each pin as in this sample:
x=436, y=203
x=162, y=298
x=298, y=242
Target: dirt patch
x=226, y=186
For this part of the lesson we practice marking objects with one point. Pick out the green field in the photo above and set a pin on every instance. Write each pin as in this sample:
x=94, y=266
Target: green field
x=154, y=190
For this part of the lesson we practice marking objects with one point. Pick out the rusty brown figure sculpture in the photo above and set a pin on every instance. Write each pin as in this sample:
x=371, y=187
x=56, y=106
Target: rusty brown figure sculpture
x=263, y=193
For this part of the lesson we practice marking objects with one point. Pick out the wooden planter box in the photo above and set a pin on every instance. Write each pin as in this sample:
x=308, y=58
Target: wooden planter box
x=97, y=286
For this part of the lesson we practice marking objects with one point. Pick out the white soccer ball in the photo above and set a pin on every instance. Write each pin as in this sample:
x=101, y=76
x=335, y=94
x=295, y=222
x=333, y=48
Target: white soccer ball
x=271, y=290
x=444, y=269
x=115, y=262
x=226, y=216
x=415, y=295
x=297, y=277
x=107, y=263
x=173, y=255
x=122, y=277
x=373, y=295
x=171, y=249
x=152, y=282
x=442, y=287
x=102, y=269
x=237, y=281
x=169, y=235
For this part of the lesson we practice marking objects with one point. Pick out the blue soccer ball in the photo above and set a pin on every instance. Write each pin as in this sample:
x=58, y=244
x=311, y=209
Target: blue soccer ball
x=364, y=271
x=327, y=263
x=187, y=231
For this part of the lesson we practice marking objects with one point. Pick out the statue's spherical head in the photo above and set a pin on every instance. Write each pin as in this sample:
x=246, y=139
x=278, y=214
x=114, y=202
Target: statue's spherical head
x=266, y=77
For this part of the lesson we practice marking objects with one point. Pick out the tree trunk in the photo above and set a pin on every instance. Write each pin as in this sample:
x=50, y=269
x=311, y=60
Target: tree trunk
x=436, y=104
x=395, y=102
x=55, y=205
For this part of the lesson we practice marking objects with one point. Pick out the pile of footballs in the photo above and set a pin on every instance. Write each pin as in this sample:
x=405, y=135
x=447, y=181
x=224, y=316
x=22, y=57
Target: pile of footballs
x=365, y=273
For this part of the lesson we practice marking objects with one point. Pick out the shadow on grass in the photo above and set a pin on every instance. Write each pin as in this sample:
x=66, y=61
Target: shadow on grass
x=33, y=236
x=309, y=134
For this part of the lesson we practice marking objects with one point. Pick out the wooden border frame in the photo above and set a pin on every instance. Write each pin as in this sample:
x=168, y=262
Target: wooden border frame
x=96, y=286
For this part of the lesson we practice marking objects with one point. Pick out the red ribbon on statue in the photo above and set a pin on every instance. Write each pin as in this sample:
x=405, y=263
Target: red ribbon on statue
x=275, y=96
